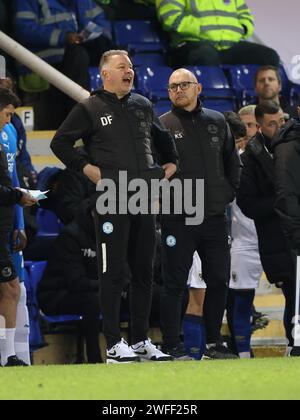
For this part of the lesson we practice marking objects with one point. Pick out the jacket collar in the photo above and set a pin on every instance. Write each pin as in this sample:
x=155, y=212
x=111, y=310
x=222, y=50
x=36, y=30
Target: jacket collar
x=190, y=114
x=112, y=97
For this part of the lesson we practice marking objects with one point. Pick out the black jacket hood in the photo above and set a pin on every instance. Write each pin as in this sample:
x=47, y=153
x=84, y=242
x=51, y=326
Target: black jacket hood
x=289, y=132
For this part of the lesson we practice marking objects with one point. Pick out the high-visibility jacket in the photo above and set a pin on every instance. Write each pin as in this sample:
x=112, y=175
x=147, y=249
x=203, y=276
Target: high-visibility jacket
x=222, y=22
x=42, y=25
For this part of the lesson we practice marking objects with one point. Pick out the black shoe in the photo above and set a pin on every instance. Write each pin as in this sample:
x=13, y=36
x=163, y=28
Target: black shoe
x=256, y=316
x=219, y=352
x=177, y=353
x=259, y=324
x=14, y=361
x=295, y=352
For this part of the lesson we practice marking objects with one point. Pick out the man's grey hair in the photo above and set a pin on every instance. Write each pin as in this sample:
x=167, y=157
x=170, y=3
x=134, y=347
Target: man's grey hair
x=106, y=56
x=247, y=110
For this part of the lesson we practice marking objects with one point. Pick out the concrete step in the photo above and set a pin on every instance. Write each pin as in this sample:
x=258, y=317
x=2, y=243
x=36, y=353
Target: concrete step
x=38, y=145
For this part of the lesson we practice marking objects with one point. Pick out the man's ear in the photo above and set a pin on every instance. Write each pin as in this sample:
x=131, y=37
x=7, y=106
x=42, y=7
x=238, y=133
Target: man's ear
x=200, y=88
x=104, y=74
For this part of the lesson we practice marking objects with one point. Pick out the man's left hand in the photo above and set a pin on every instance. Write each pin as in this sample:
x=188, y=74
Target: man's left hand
x=19, y=240
x=170, y=170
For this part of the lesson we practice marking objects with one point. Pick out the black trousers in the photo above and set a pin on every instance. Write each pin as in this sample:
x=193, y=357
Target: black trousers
x=204, y=53
x=85, y=304
x=210, y=240
x=122, y=239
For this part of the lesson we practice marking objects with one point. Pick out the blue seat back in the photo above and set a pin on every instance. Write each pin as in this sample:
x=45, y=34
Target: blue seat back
x=48, y=223
x=211, y=77
x=148, y=59
x=128, y=32
x=243, y=80
x=95, y=79
x=153, y=81
x=162, y=107
x=220, y=105
x=285, y=83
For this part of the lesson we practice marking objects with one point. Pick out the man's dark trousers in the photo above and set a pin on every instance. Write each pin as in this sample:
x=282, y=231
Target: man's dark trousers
x=210, y=240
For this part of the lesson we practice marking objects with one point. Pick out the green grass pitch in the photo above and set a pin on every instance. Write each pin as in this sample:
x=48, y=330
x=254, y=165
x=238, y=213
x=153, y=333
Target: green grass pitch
x=243, y=379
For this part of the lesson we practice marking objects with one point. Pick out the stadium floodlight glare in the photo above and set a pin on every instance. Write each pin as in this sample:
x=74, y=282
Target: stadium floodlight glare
x=2, y=66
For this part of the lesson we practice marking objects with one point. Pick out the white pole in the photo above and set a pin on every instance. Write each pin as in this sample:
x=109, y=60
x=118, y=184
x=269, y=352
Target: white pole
x=297, y=307
x=43, y=69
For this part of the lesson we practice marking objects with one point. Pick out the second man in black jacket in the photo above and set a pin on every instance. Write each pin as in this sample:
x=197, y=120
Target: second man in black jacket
x=207, y=152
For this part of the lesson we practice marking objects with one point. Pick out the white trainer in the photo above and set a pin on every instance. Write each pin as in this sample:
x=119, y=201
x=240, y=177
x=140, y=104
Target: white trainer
x=121, y=353
x=147, y=351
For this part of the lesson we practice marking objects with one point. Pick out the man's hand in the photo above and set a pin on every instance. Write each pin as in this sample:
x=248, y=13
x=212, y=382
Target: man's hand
x=73, y=38
x=27, y=200
x=93, y=173
x=19, y=240
x=170, y=170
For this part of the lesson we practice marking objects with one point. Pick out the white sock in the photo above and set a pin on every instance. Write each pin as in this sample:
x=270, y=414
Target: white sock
x=22, y=328
x=288, y=351
x=7, y=345
x=245, y=355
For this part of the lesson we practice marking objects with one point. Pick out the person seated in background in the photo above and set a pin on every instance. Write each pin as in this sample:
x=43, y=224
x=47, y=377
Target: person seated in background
x=287, y=185
x=68, y=35
x=70, y=284
x=212, y=32
x=268, y=85
x=69, y=192
x=129, y=9
x=247, y=116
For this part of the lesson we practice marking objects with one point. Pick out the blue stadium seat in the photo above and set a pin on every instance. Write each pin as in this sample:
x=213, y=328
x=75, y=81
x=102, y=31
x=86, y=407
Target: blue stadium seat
x=48, y=223
x=152, y=81
x=137, y=36
x=242, y=80
x=215, y=86
x=285, y=82
x=34, y=274
x=162, y=107
x=95, y=79
x=147, y=59
x=220, y=105
x=142, y=47
x=295, y=95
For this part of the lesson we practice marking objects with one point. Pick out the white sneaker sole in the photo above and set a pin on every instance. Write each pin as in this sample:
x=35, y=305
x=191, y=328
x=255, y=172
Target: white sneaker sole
x=117, y=362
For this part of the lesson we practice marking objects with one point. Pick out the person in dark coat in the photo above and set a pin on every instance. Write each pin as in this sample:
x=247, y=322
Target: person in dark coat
x=287, y=183
x=256, y=199
x=70, y=284
x=287, y=164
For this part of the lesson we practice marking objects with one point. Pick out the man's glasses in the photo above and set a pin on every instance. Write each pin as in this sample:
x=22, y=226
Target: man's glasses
x=183, y=86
